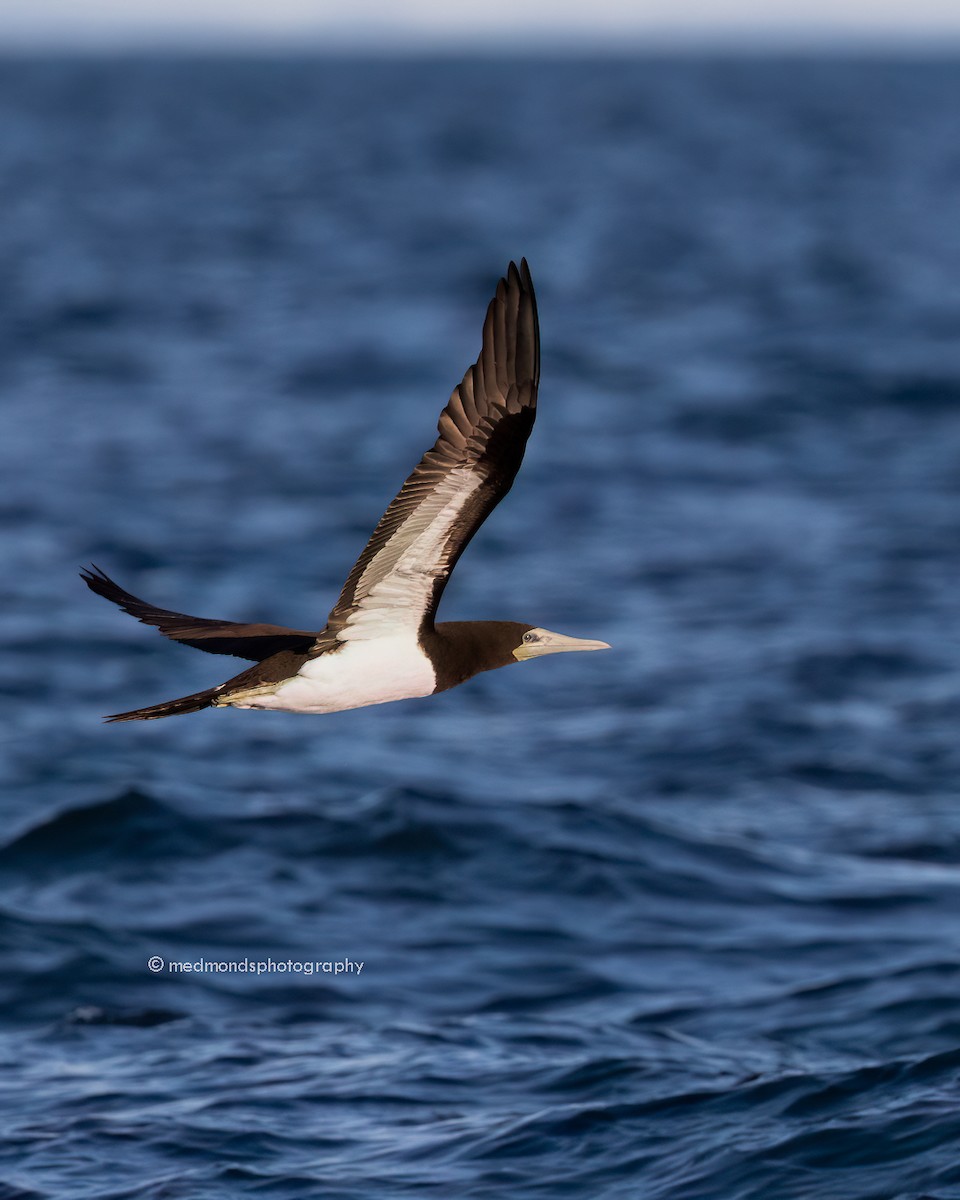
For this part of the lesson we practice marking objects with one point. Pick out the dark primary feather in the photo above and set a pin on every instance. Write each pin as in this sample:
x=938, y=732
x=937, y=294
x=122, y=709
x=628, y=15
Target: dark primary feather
x=255, y=642
x=484, y=428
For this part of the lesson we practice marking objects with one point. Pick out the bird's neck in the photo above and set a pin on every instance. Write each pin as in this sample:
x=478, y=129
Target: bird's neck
x=462, y=649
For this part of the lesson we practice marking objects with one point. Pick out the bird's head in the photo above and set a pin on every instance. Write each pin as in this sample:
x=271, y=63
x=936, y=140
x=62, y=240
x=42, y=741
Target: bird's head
x=535, y=641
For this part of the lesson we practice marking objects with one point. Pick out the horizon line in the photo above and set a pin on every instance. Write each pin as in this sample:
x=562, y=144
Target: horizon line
x=312, y=43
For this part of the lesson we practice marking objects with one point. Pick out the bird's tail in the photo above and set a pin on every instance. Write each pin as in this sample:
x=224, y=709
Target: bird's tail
x=170, y=708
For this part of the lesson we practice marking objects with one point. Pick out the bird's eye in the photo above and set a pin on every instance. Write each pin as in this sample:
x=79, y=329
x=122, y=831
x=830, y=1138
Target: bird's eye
x=530, y=636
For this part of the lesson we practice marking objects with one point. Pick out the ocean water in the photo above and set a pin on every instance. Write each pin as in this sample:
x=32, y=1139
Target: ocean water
x=678, y=921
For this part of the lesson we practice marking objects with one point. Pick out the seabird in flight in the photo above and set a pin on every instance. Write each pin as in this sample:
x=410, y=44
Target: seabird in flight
x=380, y=642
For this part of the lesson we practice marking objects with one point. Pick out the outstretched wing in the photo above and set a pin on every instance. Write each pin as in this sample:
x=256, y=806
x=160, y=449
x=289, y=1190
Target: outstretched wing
x=397, y=582
x=256, y=642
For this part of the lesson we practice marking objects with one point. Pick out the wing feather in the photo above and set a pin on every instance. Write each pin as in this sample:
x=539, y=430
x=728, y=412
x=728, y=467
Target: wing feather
x=255, y=642
x=396, y=584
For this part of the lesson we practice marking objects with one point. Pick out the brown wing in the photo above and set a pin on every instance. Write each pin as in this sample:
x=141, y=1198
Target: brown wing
x=256, y=642
x=398, y=580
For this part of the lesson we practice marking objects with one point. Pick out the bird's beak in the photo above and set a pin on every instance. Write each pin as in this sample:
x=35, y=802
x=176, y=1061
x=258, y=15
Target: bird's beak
x=554, y=643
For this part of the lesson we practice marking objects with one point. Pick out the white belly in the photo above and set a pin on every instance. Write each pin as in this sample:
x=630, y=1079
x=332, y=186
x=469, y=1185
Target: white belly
x=361, y=673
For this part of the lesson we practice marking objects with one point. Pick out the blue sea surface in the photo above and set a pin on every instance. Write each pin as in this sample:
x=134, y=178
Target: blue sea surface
x=680, y=921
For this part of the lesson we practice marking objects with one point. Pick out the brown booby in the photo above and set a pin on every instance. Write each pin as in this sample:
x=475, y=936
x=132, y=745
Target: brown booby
x=380, y=642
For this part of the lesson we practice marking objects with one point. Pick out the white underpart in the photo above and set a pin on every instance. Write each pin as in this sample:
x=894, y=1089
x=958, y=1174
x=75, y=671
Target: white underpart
x=361, y=673
x=380, y=659
x=406, y=568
